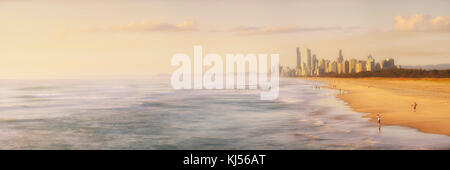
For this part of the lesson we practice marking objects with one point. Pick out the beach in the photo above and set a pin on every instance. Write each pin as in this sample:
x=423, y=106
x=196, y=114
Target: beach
x=393, y=99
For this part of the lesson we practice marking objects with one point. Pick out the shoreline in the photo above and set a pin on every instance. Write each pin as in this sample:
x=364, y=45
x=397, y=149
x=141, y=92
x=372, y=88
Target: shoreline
x=392, y=98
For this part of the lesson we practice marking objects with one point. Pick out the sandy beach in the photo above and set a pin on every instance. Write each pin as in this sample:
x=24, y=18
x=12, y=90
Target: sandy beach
x=393, y=97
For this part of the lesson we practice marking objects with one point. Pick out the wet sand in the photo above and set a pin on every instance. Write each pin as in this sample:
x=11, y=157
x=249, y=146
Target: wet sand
x=393, y=97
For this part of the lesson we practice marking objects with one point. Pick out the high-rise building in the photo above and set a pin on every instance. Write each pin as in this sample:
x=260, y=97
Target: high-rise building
x=308, y=58
x=359, y=67
x=327, y=66
x=299, y=59
x=306, y=71
x=341, y=58
x=322, y=64
x=377, y=66
x=370, y=63
x=352, y=66
x=388, y=63
x=304, y=68
x=334, y=67
x=340, y=67
x=313, y=60
x=346, y=67
x=364, y=64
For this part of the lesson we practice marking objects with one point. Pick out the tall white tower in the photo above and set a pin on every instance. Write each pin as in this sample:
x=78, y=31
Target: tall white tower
x=308, y=57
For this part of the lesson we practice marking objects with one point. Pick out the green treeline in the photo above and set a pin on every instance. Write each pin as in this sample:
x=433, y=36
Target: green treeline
x=411, y=73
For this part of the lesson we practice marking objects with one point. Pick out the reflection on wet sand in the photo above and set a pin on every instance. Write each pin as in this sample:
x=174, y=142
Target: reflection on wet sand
x=379, y=129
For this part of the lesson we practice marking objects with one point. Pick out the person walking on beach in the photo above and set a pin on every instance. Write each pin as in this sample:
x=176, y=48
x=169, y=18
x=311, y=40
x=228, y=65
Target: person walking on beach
x=414, y=106
x=379, y=123
x=379, y=118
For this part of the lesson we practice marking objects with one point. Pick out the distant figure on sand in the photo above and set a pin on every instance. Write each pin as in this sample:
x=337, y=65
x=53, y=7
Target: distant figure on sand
x=414, y=106
x=379, y=123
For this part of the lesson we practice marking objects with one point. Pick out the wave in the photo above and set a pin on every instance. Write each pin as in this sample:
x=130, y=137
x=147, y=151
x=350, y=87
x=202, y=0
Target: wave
x=37, y=88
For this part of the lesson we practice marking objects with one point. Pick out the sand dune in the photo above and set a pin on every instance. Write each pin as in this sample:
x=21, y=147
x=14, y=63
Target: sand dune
x=392, y=97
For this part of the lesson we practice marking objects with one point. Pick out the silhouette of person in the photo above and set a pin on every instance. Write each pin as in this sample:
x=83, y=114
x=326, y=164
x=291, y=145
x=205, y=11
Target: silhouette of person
x=414, y=105
x=379, y=123
x=379, y=118
x=379, y=129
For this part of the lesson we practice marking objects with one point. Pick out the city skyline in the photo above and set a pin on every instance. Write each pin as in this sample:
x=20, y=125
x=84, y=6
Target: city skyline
x=311, y=65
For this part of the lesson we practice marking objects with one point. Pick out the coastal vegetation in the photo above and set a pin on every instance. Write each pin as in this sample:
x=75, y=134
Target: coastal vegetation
x=400, y=73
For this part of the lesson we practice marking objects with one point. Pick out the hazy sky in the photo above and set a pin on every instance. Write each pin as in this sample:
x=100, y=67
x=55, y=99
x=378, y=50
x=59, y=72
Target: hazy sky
x=94, y=38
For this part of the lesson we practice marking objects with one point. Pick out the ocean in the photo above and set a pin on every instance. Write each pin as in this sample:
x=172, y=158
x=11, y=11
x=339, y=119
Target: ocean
x=149, y=114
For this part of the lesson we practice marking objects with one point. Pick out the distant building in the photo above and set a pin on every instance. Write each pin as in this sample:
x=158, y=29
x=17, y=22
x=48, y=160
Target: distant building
x=298, y=71
x=370, y=63
x=308, y=58
x=388, y=63
x=299, y=59
x=352, y=66
x=314, y=61
x=377, y=67
x=359, y=67
x=288, y=72
x=322, y=65
x=334, y=67
x=341, y=57
x=329, y=67
x=341, y=66
x=306, y=71
x=346, y=67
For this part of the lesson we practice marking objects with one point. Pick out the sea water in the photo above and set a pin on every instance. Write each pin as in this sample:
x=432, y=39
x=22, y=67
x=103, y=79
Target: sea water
x=148, y=114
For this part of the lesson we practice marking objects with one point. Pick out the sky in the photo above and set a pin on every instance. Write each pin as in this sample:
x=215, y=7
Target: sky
x=126, y=38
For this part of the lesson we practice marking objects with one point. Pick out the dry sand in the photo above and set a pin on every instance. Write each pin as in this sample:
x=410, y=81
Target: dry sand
x=392, y=98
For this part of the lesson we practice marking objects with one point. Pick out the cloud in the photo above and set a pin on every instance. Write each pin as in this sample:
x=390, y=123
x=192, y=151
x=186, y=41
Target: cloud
x=409, y=23
x=246, y=30
x=151, y=26
x=440, y=24
x=143, y=26
x=420, y=22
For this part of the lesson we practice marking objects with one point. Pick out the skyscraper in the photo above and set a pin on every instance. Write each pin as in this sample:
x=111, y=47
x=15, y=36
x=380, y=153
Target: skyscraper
x=308, y=58
x=299, y=59
x=314, y=61
x=358, y=67
x=352, y=66
x=370, y=63
x=334, y=67
x=346, y=67
x=341, y=58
